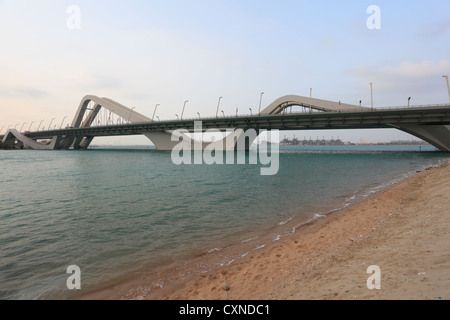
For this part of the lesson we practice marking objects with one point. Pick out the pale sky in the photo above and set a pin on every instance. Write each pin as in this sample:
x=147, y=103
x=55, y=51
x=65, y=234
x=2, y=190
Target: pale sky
x=143, y=53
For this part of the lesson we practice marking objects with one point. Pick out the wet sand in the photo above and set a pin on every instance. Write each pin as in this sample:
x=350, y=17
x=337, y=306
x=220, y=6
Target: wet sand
x=404, y=230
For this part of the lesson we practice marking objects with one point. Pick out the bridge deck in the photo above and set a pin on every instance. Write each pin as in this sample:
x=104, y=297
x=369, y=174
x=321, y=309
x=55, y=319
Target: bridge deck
x=378, y=118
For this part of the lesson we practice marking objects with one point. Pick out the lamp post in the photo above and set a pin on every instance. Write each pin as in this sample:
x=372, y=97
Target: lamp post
x=50, y=126
x=223, y=113
x=409, y=100
x=371, y=95
x=237, y=109
x=62, y=122
x=22, y=126
x=154, y=113
x=251, y=112
x=178, y=118
x=157, y=118
x=2, y=129
x=184, y=106
x=448, y=85
x=218, y=106
x=199, y=115
x=15, y=126
x=40, y=125
x=29, y=129
x=310, y=98
x=260, y=102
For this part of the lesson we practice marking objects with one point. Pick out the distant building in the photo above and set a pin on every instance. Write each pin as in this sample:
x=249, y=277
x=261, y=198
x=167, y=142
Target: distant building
x=311, y=142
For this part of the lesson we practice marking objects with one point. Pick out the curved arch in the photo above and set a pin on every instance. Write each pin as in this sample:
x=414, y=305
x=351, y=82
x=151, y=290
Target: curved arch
x=282, y=103
x=115, y=107
x=162, y=140
x=118, y=109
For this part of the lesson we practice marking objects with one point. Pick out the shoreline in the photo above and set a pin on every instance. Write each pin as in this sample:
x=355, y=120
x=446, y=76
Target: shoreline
x=285, y=268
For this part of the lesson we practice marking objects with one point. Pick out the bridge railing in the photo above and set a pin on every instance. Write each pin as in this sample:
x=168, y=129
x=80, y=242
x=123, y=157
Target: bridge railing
x=420, y=106
x=362, y=109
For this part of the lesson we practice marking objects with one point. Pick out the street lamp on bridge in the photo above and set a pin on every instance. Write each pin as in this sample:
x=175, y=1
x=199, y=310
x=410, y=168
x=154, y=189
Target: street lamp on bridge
x=50, y=126
x=154, y=113
x=62, y=122
x=29, y=129
x=22, y=126
x=251, y=112
x=40, y=125
x=409, y=100
x=184, y=106
x=260, y=102
x=218, y=106
x=448, y=85
x=371, y=95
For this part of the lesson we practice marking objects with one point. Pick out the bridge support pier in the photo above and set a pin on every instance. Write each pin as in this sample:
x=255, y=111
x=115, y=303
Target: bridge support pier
x=237, y=140
x=9, y=141
x=66, y=142
x=162, y=140
x=436, y=135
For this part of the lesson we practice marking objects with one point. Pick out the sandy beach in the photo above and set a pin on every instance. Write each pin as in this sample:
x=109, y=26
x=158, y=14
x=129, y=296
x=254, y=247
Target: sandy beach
x=404, y=230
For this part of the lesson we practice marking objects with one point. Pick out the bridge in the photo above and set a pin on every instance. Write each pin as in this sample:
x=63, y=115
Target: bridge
x=430, y=123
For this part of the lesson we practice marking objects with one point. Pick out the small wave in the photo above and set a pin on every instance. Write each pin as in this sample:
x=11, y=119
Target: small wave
x=243, y=255
x=284, y=222
x=213, y=250
x=226, y=263
x=319, y=216
x=248, y=240
x=292, y=231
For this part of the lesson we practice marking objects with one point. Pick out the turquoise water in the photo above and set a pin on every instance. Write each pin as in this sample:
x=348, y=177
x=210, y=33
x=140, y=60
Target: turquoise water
x=113, y=211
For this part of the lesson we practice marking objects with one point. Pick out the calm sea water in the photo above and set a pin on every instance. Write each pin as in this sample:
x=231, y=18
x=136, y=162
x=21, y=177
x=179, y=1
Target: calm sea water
x=112, y=211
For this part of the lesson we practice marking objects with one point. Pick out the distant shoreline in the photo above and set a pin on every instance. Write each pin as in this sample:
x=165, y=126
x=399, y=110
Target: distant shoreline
x=338, y=142
x=150, y=147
